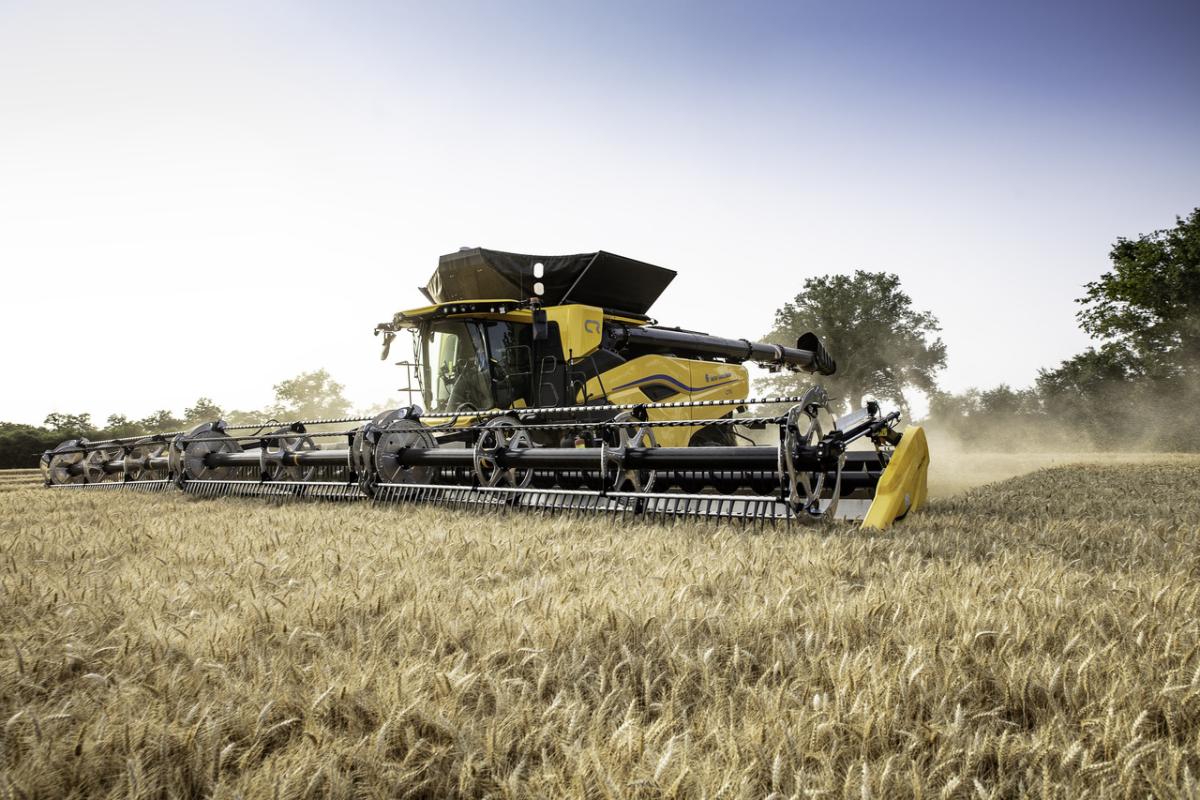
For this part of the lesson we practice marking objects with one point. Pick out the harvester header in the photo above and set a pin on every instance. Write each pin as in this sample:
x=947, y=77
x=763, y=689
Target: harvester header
x=543, y=384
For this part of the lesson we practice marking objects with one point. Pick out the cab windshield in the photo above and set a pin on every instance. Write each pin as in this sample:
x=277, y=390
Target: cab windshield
x=476, y=365
x=456, y=369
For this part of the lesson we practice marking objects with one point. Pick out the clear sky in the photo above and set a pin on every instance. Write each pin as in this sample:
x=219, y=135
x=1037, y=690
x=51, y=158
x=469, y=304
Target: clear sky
x=206, y=198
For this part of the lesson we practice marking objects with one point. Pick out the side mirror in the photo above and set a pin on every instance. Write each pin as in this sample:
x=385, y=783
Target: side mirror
x=541, y=328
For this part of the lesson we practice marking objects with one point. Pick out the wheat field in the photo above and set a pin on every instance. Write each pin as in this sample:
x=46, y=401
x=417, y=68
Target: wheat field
x=1034, y=637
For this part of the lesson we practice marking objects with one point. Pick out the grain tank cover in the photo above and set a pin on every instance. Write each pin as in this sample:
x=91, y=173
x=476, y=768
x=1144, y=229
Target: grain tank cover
x=599, y=279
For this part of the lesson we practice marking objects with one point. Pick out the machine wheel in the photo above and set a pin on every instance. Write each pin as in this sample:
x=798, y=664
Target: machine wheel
x=803, y=428
x=56, y=465
x=506, y=433
x=188, y=451
x=137, y=460
x=639, y=436
x=93, y=465
x=282, y=442
x=401, y=434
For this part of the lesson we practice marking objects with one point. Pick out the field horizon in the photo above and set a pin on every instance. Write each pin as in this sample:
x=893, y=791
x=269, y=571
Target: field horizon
x=1034, y=636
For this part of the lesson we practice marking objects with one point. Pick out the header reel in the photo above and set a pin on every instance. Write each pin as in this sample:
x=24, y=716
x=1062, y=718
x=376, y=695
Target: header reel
x=618, y=467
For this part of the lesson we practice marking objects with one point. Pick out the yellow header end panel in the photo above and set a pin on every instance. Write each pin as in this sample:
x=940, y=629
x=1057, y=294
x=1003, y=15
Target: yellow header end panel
x=580, y=328
x=902, y=486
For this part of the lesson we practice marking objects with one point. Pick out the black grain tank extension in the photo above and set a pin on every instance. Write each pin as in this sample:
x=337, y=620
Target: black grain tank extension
x=612, y=282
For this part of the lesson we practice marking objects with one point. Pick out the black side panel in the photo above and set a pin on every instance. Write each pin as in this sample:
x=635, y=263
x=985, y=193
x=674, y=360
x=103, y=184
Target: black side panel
x=620, y=283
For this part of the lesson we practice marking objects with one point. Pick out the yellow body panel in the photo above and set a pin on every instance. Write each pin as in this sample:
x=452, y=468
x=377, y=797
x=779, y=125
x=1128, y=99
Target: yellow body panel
x=689, y=379
x=579, y=327
x=902, y=487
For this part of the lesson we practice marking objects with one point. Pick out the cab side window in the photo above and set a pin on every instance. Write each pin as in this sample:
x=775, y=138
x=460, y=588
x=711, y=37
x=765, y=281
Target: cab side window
x=510, y=353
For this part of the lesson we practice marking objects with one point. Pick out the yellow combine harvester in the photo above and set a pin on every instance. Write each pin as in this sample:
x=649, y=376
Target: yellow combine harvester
x=548, y=387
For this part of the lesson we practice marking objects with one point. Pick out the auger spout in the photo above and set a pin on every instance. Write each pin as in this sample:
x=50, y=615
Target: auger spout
x=809, y=354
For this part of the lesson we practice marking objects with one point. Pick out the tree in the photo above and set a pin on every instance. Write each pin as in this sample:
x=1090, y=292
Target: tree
x=69, y=425
x=22, y=445
x=1098, y=392
x=881, y=344
x=205, y=410
x=310, y=395
x=1006, y=402
x=1150, y=301
x=162, y=421
x=239, y=417
x=119, y=425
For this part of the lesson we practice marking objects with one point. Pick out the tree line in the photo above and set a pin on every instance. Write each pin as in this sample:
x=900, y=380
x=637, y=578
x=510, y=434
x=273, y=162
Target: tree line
x=309, y=395
x=1136, y=387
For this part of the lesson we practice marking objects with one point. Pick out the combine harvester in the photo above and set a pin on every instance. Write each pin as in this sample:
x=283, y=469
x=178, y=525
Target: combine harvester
x=550, y=388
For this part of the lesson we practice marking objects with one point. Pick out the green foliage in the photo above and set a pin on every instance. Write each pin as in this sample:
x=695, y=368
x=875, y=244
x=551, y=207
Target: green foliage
x=69, y=425
x=1002, y=418
x=119, y=425
x=1149, y=303
x=162, y=421
x=310, y=395
x=205, y=410
x=22, y=445
x=1135, y=388
x=882, y=345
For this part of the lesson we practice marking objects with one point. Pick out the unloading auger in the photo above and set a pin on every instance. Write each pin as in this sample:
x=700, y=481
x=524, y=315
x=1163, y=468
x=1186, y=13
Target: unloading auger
x=571, y=399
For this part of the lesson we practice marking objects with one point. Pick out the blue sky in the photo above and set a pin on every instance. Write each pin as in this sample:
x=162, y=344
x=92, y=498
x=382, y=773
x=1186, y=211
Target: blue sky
x=189, y=185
